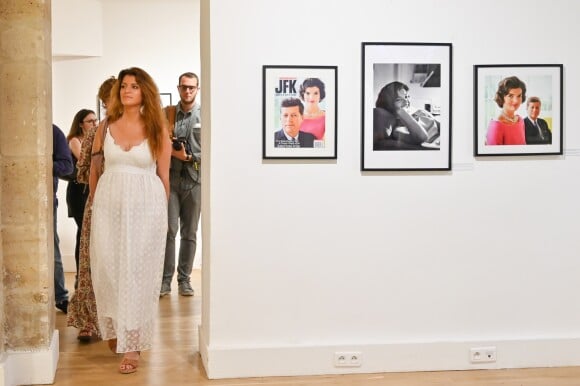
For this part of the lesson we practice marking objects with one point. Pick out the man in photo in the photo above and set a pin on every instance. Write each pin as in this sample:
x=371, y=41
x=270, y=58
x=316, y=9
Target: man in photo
x=537, y=130
x=291, y=116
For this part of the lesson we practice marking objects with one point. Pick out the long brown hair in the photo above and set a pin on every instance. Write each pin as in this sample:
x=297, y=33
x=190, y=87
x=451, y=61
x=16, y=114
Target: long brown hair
x=75, y=128
x=152, y=114
x=388, y=95
x=105, y=89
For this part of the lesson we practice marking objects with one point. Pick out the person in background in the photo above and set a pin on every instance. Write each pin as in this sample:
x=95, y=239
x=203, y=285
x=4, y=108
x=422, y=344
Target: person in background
x=537, y=129
x=104, y=92
x=82, y=306
x=312, y=92
x=508, y=127
x=129, y=214
x=62, y=166
x=291, y=117
x=77, y=192
x=185, y=195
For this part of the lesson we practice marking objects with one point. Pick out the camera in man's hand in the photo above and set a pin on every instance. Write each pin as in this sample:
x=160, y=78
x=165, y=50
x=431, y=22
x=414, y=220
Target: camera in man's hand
x=182, y=141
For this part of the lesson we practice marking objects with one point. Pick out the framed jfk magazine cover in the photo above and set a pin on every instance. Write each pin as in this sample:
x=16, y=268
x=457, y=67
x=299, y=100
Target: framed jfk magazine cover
x=406, y=106
x=299, y=112
x=518, y=109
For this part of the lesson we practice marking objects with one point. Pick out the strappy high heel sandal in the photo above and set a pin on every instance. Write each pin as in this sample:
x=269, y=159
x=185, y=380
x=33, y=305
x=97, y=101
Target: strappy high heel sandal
x=128, y=365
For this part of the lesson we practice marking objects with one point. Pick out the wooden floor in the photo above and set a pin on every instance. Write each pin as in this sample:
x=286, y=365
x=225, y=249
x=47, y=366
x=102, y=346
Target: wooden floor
x=175, y=361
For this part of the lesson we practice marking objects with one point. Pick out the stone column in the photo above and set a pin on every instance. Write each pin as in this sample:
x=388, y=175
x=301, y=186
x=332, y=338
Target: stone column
x=26, y=191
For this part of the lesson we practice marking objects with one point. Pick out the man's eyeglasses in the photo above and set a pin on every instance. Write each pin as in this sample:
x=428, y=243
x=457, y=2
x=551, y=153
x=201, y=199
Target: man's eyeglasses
x=91, y=121
x=187, y=88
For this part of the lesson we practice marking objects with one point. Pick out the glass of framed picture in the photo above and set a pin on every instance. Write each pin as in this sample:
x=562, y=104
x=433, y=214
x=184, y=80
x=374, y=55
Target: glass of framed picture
x=518, y=109
x=406, y=106
x=299, y=112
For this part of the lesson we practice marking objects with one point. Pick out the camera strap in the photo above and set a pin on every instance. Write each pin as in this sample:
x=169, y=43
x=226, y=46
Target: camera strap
x=170, y=113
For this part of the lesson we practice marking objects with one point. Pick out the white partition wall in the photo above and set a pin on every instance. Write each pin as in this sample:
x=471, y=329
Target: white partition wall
x=412, y=270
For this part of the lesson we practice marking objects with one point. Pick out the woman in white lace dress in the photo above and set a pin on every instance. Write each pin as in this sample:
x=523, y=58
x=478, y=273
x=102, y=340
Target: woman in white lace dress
x=129, y=214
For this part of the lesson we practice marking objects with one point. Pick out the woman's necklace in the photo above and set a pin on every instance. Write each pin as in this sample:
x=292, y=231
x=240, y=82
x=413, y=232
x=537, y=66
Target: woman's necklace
x=512, y=120
x=312, y=114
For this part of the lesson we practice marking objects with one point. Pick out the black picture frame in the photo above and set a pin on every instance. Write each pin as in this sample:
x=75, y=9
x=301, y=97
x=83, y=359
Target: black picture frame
x=495, y=135
x=416, y=137
x=166, y=99
x=317, y=135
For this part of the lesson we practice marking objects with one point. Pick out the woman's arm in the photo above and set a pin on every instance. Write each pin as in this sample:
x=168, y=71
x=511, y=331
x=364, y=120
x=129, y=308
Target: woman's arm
x=494, y=134
x=163, y=161
x=84, y=160
x=75, y=147
x=97, y=157
x=417, y=133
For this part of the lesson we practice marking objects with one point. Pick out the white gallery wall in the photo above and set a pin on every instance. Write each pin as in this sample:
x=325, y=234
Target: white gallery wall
x=303, y=259
x=95, y=39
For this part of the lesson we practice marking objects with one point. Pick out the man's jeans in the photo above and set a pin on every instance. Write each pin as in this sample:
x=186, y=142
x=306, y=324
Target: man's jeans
x=60, y=292
x=184, y=210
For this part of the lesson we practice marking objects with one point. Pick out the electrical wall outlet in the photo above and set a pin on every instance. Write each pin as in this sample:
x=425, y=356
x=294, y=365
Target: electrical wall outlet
x=348, y=359
x=483, y=354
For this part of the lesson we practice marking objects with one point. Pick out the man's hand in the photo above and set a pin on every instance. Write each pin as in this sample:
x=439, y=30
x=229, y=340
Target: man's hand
x=180, y=154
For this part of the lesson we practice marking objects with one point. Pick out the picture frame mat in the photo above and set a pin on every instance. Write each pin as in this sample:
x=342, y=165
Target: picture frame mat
x=523, y=72
x=328, y=74
x=406, y=53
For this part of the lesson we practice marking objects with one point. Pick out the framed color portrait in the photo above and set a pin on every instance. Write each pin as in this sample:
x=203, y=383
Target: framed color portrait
x=406, y=106
x=518, y=109
x=299, y=112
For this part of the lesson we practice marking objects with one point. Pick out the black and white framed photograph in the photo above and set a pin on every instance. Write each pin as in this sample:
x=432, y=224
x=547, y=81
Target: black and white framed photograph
x=166, y=99
x=518, y=109
x=406, y=106
x=299, y=112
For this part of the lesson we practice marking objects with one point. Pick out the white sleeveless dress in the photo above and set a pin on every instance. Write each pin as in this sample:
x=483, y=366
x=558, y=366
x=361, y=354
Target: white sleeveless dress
x=127, y=245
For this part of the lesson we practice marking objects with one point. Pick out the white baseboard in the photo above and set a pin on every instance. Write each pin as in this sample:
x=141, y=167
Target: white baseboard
x=202, y=346
x=239, y=362
x=30, y=368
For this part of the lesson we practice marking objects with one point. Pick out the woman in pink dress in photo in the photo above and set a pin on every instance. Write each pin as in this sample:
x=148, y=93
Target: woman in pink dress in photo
x=508, y=127
x=312, y=93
